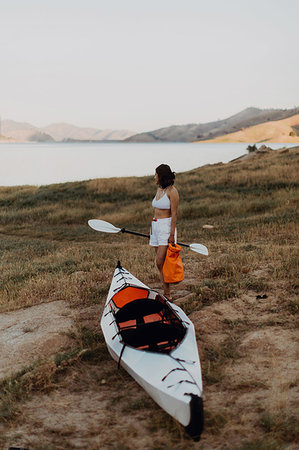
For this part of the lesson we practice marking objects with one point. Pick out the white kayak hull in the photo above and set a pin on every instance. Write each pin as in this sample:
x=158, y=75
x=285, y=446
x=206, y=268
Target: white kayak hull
x=168, y=368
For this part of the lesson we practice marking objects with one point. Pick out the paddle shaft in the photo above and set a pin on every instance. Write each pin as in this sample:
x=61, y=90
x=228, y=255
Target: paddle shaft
x=106, y=227
x=123, y=230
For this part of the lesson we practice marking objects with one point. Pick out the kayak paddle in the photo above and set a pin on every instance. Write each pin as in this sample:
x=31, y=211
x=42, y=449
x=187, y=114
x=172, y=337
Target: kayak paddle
x=106, y=227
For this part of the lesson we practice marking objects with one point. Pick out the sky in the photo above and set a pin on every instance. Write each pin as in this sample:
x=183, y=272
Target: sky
x=145, y=64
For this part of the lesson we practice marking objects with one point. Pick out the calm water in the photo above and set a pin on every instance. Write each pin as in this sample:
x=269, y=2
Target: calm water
x=39, y=163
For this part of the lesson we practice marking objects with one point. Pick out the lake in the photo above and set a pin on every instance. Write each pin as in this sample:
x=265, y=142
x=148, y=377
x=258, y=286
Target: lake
x=47, y=163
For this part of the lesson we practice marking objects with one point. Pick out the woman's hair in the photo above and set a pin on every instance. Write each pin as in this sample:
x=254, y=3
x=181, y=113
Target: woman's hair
x=165, y=175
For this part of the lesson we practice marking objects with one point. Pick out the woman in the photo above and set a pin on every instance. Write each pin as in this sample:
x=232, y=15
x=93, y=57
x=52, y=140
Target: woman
x=163, y=228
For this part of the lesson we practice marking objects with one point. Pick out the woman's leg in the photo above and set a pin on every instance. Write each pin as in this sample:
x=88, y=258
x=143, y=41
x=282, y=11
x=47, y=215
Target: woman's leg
x=160, y=258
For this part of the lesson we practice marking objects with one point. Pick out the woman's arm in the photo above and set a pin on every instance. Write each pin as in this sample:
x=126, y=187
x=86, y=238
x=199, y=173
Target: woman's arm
x=174, y=204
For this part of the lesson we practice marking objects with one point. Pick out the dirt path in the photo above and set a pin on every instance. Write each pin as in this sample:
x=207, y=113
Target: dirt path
x=259, y=342
x=248, y=348
x=33, y=333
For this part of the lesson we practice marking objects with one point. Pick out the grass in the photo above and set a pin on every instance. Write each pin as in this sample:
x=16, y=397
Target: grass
x=48, y=253
x=88, y=345
x=282, y=428
x=17, y=389
x=217, y=356
x=261, y=444
x=215, y=421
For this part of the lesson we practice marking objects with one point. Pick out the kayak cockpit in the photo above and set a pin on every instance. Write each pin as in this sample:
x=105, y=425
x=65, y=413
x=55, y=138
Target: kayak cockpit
x=146, y=321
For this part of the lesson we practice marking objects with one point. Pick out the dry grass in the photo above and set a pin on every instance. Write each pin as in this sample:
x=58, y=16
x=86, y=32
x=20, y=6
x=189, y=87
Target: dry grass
x=49, y=253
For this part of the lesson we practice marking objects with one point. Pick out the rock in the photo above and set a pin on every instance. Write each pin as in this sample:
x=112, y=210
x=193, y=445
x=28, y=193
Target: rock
x=31, y=334
x=264, y=149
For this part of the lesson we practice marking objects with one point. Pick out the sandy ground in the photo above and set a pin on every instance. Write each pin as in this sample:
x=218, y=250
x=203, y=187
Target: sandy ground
x=78, y=412
x=33, y=333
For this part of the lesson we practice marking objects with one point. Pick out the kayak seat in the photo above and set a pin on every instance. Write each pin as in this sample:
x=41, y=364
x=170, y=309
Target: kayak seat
x=128, y=294
x=138, y=309
x=154, y=336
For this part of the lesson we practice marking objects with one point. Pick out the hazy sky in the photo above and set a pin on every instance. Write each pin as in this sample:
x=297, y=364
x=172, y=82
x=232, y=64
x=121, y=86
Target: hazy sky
x=145, y=64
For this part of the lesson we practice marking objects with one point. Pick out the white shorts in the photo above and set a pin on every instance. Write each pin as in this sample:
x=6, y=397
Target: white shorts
x=160, y=232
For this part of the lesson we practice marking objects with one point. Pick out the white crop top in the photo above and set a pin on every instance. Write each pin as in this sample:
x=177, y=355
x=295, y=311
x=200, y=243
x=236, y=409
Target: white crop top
x=162, y=203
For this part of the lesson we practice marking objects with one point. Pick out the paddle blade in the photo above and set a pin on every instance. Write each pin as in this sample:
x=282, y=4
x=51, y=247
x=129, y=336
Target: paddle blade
x=101, y=225
x=199, y=248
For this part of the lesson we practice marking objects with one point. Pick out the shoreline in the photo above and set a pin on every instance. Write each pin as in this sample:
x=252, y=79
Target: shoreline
x=57, y=159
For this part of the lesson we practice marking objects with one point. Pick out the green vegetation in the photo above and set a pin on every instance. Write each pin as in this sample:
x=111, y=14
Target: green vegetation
x=49, y=253
x=251, y=148
x=252, y=206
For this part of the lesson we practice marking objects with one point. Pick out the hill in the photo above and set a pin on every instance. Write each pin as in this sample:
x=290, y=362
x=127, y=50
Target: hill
x=22, y=131
x=280, y=131
x=64, y=131
x=59, y=388
x=224, y=130
x=19, y=131
x=211, y=130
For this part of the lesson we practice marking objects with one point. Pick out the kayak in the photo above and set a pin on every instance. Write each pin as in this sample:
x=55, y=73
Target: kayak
x=154, y=341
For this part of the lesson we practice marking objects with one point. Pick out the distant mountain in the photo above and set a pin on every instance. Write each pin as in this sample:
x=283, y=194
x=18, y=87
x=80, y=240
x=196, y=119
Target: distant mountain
x=202, y=132
x=23, y=131
x=280, y=131
x=41, y=137
x=65, y=131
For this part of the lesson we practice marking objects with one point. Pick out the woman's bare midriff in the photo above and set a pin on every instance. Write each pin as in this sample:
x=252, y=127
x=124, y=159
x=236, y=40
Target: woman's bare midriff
x=162, y=213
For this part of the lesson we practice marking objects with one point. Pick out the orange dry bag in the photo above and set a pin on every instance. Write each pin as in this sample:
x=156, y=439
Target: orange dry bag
x=173, y=271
